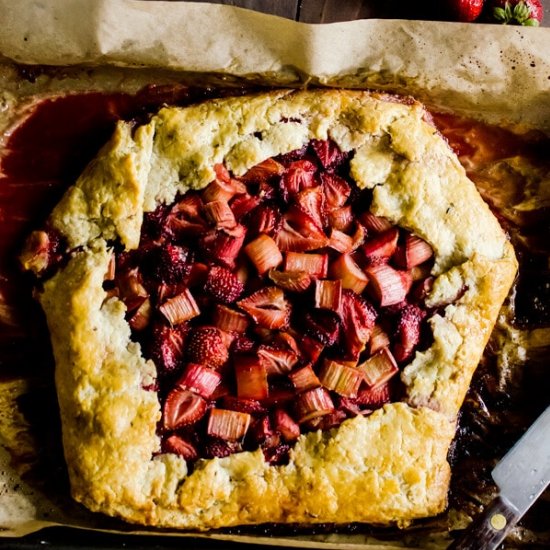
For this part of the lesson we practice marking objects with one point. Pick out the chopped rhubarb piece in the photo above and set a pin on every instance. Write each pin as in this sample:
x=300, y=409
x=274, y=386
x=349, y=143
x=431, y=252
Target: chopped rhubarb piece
x=277, y=361
x=387, y=285
x=285, y=340
x=266, y=171
x=340, y=241
x=374, y=397
x=219, y=214
x=379, y=368
x=185, y=218
x=336, y=190
x=304, y=379
x=167, y=347
x=223, y=187
x=412, y=252
x=180, y=308
x=322, y=325
x=295, y=281
x=408, y=332
x=206, y=346
x=279, y=396
x=348, y=405
x=350, y=274
x=422, y=289
x=141, y=317
x=341, y=218
x=224, y=245
x=265, y=219
x=218, y=448
x=375, y=224
x=300, y=175
x=328, y=295
x=264, y=253
x=229, y=320
x=381, y=248
x=312, y=404
x=316, y=265
x=251, y=378
x=340, y=378
x=223, y=285
x=329, y=421
x=378, y=339
x=166, y=291
x=241, y=404
x=243, y=204
x=199, y=379
x=311, y=348
x=39, y=252
x=179, y=446
x=285, y=425
x=268, y=307
x=358, y=236
x=182, y=408
x=111, y=269
x=358, y=318
x=228, y=425
x=131, y=290
x=301, y=237
x=328, y=153
x=312, y=202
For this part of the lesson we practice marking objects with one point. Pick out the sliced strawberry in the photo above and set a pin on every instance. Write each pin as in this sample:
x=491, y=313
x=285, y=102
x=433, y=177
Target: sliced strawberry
x=277, y=361
x=316, y=265
x=182, y=408
x=265, y=219
x=227, y=425
x=276, y=456
x=179, y=446
x=197, y=275
x=229, y=320
x=219, y=214
x=299, y=237
x=379, y=368
x=328, y=153
x=41, y=252
x=312, y=404
x=294, y=281
x=312, y=202
x=243, y=204
x=130, y=288
x=223, y=246
x=322, y=325
x=206, y=346
x=245, y=405
x=387, y=285
x=223, y=285
x=374, y=224
x=412, y=252
x=421, y=289
x=381, y=248
x=328, y=295
x=348, y=405
x=340, y=378
x=408, y=331
x=285, y=425
x=218, y=448
x=266, y=171
x=268, y=307
x=340, y=241
x=374, y=397
x=358, y=318
x=341, y=218
x=185, y=218
x=336, y=190
x=349, y=273
x=180, y=308
x=200, y=380
x=223, y=187
x=251, y=377
x=264, y=253
x=261, y=430
x=167, y=347
x=300, y=175
x=311, y=348
x=304, y=379
x=242, y=344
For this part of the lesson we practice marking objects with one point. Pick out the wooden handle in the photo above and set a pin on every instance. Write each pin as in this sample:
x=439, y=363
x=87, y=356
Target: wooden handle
x=488, y=530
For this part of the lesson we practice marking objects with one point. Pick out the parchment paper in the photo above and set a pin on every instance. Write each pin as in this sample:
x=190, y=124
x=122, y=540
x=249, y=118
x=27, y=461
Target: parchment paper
x=491, y=72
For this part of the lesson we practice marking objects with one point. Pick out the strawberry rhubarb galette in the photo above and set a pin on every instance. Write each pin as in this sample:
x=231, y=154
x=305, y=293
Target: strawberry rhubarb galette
x=269, y=309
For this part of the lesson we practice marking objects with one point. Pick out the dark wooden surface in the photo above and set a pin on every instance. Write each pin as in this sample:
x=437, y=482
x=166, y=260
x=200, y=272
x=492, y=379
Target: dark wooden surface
x=331, y=11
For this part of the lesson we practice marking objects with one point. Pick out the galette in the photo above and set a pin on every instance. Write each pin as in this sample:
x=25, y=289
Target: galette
x=269, y=308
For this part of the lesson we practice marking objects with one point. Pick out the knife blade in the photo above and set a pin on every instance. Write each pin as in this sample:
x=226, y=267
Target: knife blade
x=521, y=476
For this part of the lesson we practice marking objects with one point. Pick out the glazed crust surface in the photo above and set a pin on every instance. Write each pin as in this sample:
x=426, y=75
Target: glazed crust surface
x=388, y=467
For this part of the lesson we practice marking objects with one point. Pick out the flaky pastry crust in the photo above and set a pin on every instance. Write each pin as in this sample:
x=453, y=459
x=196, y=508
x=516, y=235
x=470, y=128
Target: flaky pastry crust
x=387, y=467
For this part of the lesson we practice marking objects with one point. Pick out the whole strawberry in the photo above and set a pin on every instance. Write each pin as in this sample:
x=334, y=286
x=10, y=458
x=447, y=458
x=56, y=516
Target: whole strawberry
x=517, y=12
x=465, y=10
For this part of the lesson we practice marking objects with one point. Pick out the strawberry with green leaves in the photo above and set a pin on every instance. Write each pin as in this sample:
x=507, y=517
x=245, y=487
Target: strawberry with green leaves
x=517, y=12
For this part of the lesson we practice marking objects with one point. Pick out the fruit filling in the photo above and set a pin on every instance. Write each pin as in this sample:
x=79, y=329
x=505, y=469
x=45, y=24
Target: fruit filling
x=272, y=304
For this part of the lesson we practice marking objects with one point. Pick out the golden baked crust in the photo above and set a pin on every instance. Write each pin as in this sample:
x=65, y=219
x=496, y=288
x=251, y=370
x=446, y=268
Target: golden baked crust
x=388, y=467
